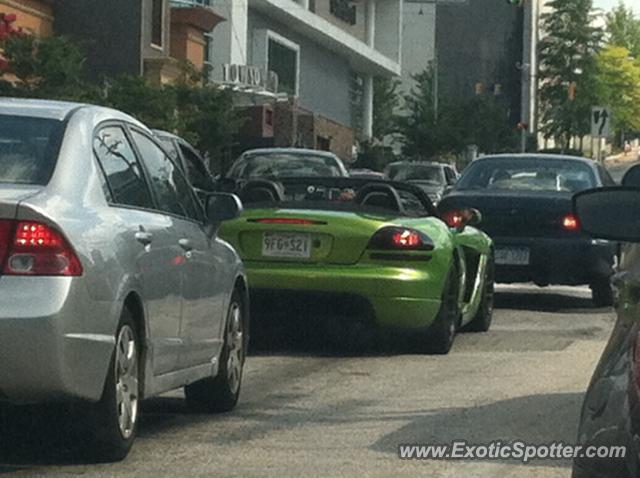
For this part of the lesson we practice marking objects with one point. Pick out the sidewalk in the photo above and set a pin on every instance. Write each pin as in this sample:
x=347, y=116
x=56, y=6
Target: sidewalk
x=630, y=157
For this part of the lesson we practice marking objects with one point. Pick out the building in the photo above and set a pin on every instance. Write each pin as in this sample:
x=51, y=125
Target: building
x=477, y=47
x=302, y=69
x=34, y=16
x=323, y=56
x=144, y=37
x=484, y=50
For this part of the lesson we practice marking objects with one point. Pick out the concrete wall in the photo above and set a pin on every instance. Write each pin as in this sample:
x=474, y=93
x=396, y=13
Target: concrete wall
x=113, y=48
x=324, y=78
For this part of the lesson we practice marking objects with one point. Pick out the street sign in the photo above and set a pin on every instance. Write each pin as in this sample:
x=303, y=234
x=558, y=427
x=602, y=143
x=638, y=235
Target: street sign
x=600, y=122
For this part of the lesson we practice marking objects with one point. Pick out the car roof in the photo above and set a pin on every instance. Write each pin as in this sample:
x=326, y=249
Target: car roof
x=313, y=152
x=421, y=163
x=57, y=110
x=540, y=156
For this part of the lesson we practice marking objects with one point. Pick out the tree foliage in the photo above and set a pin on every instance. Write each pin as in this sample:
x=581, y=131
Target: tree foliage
x=619, y=86
x=386, y=101
x=55, y=68
x=623, y=29
x=482, y=120
x=568, y=61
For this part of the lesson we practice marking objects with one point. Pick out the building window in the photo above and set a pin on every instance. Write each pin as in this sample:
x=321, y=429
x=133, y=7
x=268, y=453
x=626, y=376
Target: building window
x=343, y=10
x=157, y=22
x=283, y=60
x=323, y=144
x=208, y=49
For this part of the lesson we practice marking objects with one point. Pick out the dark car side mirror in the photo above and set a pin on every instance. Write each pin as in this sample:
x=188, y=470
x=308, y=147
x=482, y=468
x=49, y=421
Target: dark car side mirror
x=222, y=207
x=632, y=177
x=609, y=213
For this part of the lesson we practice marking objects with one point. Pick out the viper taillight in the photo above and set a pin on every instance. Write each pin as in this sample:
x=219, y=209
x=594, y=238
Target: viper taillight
x=36, y=249
x=400, y=238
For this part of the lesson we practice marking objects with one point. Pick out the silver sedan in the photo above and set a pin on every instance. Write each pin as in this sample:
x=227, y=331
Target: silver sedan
x=114, y=286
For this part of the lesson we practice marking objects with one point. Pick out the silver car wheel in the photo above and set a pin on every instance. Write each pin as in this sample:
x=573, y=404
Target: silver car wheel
x=235, y=345
x=126, y=381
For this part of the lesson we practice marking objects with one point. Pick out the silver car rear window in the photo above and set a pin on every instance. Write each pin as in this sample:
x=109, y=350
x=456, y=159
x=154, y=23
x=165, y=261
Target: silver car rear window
x=28, y=149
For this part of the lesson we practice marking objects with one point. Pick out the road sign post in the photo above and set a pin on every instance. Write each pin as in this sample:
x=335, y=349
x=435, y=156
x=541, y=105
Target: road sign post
x=600, y=127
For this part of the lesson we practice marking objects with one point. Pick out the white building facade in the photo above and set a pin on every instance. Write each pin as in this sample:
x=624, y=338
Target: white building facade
x=316, y=56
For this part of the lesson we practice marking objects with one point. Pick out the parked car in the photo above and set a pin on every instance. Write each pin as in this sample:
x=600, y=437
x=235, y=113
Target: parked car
x=363, y=255
x=188, y=158
x=611, y=409
x=115, y=286
x=275, y=163
x=365, y=173
x=434, y=178
x=525, y=201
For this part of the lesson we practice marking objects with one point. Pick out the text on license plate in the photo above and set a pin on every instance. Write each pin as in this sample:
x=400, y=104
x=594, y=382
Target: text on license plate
x=512, y=256
x=276, y=244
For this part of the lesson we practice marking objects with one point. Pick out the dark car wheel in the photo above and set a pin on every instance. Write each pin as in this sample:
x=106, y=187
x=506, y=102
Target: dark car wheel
x=602, y=293
x=442, y=332
x=481, y=322
x=220, y=393
x=113, y=421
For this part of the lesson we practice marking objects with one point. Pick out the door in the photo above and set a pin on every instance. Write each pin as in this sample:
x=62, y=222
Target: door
x=203, y=289
x=146, y=243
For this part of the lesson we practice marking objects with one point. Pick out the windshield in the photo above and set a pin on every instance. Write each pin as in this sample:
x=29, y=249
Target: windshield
x=421, y=173
x=285, y=165
x=528, y=174
x=28, y=149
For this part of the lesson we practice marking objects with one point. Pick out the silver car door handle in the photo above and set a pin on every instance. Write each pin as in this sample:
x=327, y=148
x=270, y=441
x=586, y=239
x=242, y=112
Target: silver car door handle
x=144, y=238
x=186, y=244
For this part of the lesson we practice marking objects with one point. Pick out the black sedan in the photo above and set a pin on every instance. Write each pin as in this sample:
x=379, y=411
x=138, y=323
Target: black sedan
x=525, y=201
x=611, y=409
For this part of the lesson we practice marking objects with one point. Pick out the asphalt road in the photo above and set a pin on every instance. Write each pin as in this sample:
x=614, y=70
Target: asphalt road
x=306, y=411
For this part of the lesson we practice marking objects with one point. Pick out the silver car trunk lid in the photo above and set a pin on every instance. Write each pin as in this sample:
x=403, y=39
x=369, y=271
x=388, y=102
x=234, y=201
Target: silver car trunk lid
x=11, y=195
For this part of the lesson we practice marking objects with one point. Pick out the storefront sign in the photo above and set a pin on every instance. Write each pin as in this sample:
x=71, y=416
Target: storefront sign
x=253, y=78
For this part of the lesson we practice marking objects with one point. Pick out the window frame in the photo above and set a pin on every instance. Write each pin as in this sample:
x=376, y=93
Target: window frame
x=130, y=129
x=111, y=202
x=163, y=12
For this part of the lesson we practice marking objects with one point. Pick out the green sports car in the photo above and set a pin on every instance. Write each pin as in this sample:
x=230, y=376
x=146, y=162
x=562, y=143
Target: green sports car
x=367, y=254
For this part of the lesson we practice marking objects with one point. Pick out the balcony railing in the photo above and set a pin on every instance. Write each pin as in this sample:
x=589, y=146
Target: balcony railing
x=191, y=3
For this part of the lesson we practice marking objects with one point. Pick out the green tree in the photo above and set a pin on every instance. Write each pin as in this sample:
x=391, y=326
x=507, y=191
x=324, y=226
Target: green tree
x=52, y=67
x=419, y=125
x=623, y=29
x=568, y=60
x=619, y=87
x=386, y=101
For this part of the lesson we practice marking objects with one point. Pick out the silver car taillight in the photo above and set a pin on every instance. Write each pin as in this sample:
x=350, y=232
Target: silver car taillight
x=36, y=249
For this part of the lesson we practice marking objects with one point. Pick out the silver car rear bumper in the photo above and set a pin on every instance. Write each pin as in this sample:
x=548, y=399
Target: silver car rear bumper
x=55, y=342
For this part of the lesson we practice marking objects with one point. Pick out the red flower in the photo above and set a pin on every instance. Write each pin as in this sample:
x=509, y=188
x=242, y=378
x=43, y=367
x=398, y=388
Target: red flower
x=10, y=17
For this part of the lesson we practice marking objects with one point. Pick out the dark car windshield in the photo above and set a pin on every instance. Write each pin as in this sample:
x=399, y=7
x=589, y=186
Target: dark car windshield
x=528, y=174
x=28, y=149
x=285, y=165
x=422, y=173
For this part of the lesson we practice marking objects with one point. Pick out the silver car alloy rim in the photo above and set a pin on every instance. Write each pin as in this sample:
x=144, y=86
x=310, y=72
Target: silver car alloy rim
x=126, y=364
x=235, y=347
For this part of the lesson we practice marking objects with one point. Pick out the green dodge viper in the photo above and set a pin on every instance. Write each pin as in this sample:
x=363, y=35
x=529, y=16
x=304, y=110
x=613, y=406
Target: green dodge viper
x=374, y=254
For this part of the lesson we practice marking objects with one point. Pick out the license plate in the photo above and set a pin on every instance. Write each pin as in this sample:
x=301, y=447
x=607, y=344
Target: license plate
x=277, y=244
x=512, y=256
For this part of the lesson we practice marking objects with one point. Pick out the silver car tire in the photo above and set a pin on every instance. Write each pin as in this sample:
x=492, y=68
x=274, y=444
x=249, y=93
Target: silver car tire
x=113, y=421
x=220, y=393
